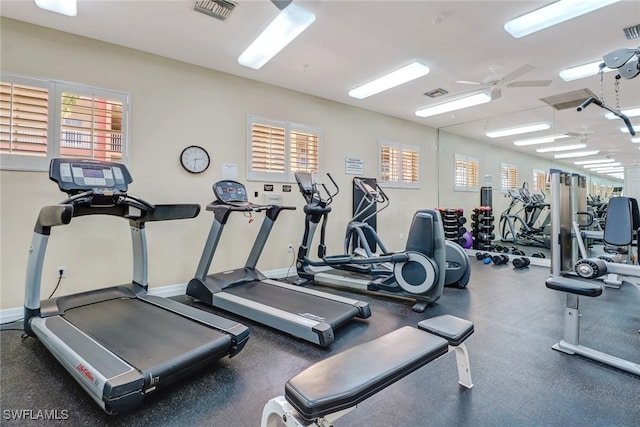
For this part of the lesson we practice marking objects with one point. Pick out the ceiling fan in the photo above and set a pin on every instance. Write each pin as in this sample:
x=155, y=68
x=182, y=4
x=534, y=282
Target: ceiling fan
x=497, y=79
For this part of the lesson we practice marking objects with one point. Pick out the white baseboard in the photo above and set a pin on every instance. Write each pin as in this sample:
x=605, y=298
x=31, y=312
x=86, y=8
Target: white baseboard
x=12, y=314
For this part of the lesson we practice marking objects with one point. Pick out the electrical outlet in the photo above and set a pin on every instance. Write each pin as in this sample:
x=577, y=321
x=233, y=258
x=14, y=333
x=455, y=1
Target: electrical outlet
x=61, y=271
x=290, y=248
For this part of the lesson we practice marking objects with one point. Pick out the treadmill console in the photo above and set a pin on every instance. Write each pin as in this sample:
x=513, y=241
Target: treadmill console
x=76, y=176
x=230, y=192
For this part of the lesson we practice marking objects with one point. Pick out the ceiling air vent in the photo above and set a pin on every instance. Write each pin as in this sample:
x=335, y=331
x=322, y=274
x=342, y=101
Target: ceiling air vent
x=436, y=93
x=632, y=32
x=220, y=9
x=568, y=100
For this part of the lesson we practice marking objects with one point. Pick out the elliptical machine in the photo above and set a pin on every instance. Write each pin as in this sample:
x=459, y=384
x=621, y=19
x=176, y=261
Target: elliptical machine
x=418, y=272
x=361, y=238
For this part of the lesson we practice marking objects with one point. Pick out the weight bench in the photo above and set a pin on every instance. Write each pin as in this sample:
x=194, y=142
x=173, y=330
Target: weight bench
x=570, y=344
x=334, y=386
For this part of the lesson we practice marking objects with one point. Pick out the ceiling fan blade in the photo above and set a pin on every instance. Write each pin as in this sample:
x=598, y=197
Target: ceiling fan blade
x=518, y=72
x=467, y=82
x=530, y=83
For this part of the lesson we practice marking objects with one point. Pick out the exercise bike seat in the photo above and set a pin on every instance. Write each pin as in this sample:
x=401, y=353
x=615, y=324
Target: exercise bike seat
x=346, y=379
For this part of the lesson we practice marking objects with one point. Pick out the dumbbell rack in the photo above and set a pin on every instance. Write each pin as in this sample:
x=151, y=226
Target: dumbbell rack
x=453, y=223
x=482, y=228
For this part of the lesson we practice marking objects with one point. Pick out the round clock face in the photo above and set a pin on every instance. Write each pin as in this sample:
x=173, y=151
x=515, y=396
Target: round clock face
x=195, y=159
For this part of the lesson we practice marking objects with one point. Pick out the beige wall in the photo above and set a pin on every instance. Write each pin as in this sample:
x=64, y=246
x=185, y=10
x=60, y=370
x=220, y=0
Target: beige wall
x=175, y=105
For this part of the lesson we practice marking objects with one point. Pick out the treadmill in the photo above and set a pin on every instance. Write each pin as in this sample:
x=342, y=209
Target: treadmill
x=301, y=312
x=119, y=343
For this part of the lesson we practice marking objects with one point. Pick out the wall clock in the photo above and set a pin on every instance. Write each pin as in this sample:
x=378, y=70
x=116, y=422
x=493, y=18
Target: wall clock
x=195, y=159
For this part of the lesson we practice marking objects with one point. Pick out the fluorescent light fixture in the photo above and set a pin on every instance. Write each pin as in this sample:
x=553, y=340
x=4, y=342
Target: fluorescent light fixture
x=582, y=71
x=602, y=166
x=543, y=140
x=611, y=170
x=635, y=140
x=458, y=104
x=518, y=130
x=64, y=7
x=594, y=161
x=552, y=14
x=575, y=154
x=625, y=129
x=617, y=175
x=393, y=79
x=561, y=148
x=632, y=112
x=288, y=25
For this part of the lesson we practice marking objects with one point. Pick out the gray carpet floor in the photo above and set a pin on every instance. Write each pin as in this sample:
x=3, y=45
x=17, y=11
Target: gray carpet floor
x=518, y=379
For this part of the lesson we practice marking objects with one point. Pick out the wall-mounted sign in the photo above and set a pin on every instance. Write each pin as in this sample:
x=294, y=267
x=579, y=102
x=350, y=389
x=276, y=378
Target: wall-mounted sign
x=353, y=166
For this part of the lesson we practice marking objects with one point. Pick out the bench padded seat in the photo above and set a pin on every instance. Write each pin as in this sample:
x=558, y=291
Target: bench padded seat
x=347, y=378
x=584, y=287
x=453, y=329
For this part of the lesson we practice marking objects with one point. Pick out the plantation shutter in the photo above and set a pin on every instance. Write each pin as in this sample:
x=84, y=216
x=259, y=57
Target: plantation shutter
x=409, y=165
x=267, y=148
x=508, y=176
x=23, y=119
x=91, y=127
x=304, y=151
x=389, y=163
x=466, y=173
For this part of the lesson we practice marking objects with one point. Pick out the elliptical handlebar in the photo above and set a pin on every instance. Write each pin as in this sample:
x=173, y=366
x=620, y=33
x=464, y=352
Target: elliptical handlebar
x=371, y=195
x=330, y=196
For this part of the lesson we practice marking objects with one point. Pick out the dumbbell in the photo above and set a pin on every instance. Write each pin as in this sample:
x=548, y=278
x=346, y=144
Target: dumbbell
x=520, y=262
x=484, y=257
x=516, y=251
x=538, y=255
x=500, y=259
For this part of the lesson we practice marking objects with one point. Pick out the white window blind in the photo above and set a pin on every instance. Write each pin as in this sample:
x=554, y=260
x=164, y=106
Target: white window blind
x=42, y=119
x=277, y=149
x=399, y=164
x=467, y=170
x=508, y=176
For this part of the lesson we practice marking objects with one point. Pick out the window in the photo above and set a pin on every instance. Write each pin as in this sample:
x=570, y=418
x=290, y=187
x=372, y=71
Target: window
x=398, y=164
x=539, y=180
x=42, y=119
x=277, y=149
x=467, y=173
x=508, y=176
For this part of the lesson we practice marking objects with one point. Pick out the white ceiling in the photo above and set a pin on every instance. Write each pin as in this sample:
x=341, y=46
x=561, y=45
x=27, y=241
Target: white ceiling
x=353, y=42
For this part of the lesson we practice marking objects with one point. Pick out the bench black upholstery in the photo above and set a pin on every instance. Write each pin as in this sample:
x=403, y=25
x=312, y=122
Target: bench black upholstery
x=618, y=229
x=453, y=329
x=575, y=286
x=346, y=379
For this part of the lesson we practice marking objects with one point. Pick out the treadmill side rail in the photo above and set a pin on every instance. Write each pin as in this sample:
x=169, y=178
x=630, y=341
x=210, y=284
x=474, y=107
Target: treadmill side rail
x=114, y=384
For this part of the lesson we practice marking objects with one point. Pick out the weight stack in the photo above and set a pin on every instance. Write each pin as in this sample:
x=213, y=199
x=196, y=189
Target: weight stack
x=482, y=228
x=453, y=223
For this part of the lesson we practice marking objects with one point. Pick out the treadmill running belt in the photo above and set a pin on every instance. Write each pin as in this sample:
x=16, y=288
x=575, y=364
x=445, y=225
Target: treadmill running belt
x=333, y=312
x=145, y=335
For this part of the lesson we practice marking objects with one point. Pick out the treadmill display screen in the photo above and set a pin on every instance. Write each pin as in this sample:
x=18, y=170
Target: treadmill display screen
x=230, y=191
x=75, y=176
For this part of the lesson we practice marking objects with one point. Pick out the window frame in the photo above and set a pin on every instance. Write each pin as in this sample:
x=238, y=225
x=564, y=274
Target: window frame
x=55, y=89
x=287, y=175
x=465, y=178
x=400, y=182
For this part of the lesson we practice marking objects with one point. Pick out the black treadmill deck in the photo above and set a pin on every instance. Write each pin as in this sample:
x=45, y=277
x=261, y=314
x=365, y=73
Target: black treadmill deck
x=144, y=335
